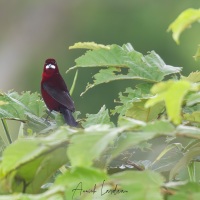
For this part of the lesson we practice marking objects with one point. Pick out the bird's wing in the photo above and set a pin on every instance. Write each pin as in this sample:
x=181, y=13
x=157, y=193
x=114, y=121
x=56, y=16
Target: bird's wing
x=59, y=95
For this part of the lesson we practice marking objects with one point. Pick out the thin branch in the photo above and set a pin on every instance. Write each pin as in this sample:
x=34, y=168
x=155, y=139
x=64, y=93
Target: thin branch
x=6, y=130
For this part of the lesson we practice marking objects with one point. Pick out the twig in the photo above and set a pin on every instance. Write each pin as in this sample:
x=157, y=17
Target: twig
x=6, y=130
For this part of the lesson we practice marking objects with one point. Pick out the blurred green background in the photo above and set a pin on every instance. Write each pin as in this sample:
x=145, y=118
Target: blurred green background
x=32, y=31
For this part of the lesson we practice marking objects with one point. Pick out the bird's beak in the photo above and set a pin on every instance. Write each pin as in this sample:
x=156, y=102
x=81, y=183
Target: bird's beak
x=50, y=66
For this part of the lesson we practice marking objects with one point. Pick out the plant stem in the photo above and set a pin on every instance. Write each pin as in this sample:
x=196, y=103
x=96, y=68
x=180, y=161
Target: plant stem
x=74, y=83
x=6, y=130
x=191, y=171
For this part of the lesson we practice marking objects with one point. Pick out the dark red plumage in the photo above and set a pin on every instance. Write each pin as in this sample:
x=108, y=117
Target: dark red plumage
x=55, y=93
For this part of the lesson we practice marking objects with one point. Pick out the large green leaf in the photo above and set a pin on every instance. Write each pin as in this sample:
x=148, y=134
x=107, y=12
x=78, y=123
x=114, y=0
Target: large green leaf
x=188, y=131
x=82, y=183
x=27, y=107
x=88, y=183
x=143, y=132
x=161, y=127
x=55, y=193
x=137, y=185
x=33, y=102
x=193, y=117
x=88, y=45
x=116, y=59
x=183, y=21
x=193, y=99
x=193, y=77
x=91, y=143
x=140, y=112
x=18, y=106
x=172, y=93
x=187, y=191
x=130, y=96
x=102, y=117
x=184, y=161
x=168, y=157
x=25, y=162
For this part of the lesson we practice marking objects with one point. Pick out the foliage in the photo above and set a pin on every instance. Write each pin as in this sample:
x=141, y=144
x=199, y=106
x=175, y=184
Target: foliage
x=184, y=21
x=122, y=63
x=104, y=158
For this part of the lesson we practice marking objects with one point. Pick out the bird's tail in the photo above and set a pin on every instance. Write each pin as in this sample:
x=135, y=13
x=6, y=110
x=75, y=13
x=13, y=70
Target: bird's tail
x=68, y=117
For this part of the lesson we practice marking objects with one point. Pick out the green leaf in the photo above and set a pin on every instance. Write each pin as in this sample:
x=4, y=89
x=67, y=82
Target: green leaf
x=127, y=98
x=194, y=117
x=168, y=158
x=33, y=102
x=90, y=144
x=172, y=93
x=89, y=45
x=55, y=193
x=193, y=99
x=190, y=109
x=13, y=108
x=102, y=117
x=184, y=161
x=139, y=112
x=188, y=191
x=130, y=123
x=142, y=133
x=130, y=140
x=112, y=57
x=167, y=149
x=80, y=180
x=26, y=107
x=162, y=127
x=25, y=162
x=3, y=103
x=139, y=185
x=118, y=60
x=193, y=77
x=183, y=21
x=188, y=131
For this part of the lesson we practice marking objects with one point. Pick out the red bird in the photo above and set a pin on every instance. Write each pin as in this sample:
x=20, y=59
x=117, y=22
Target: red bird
x=55, y=93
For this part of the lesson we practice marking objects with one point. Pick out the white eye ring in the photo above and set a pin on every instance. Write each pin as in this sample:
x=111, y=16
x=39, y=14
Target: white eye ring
x=50, y=66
